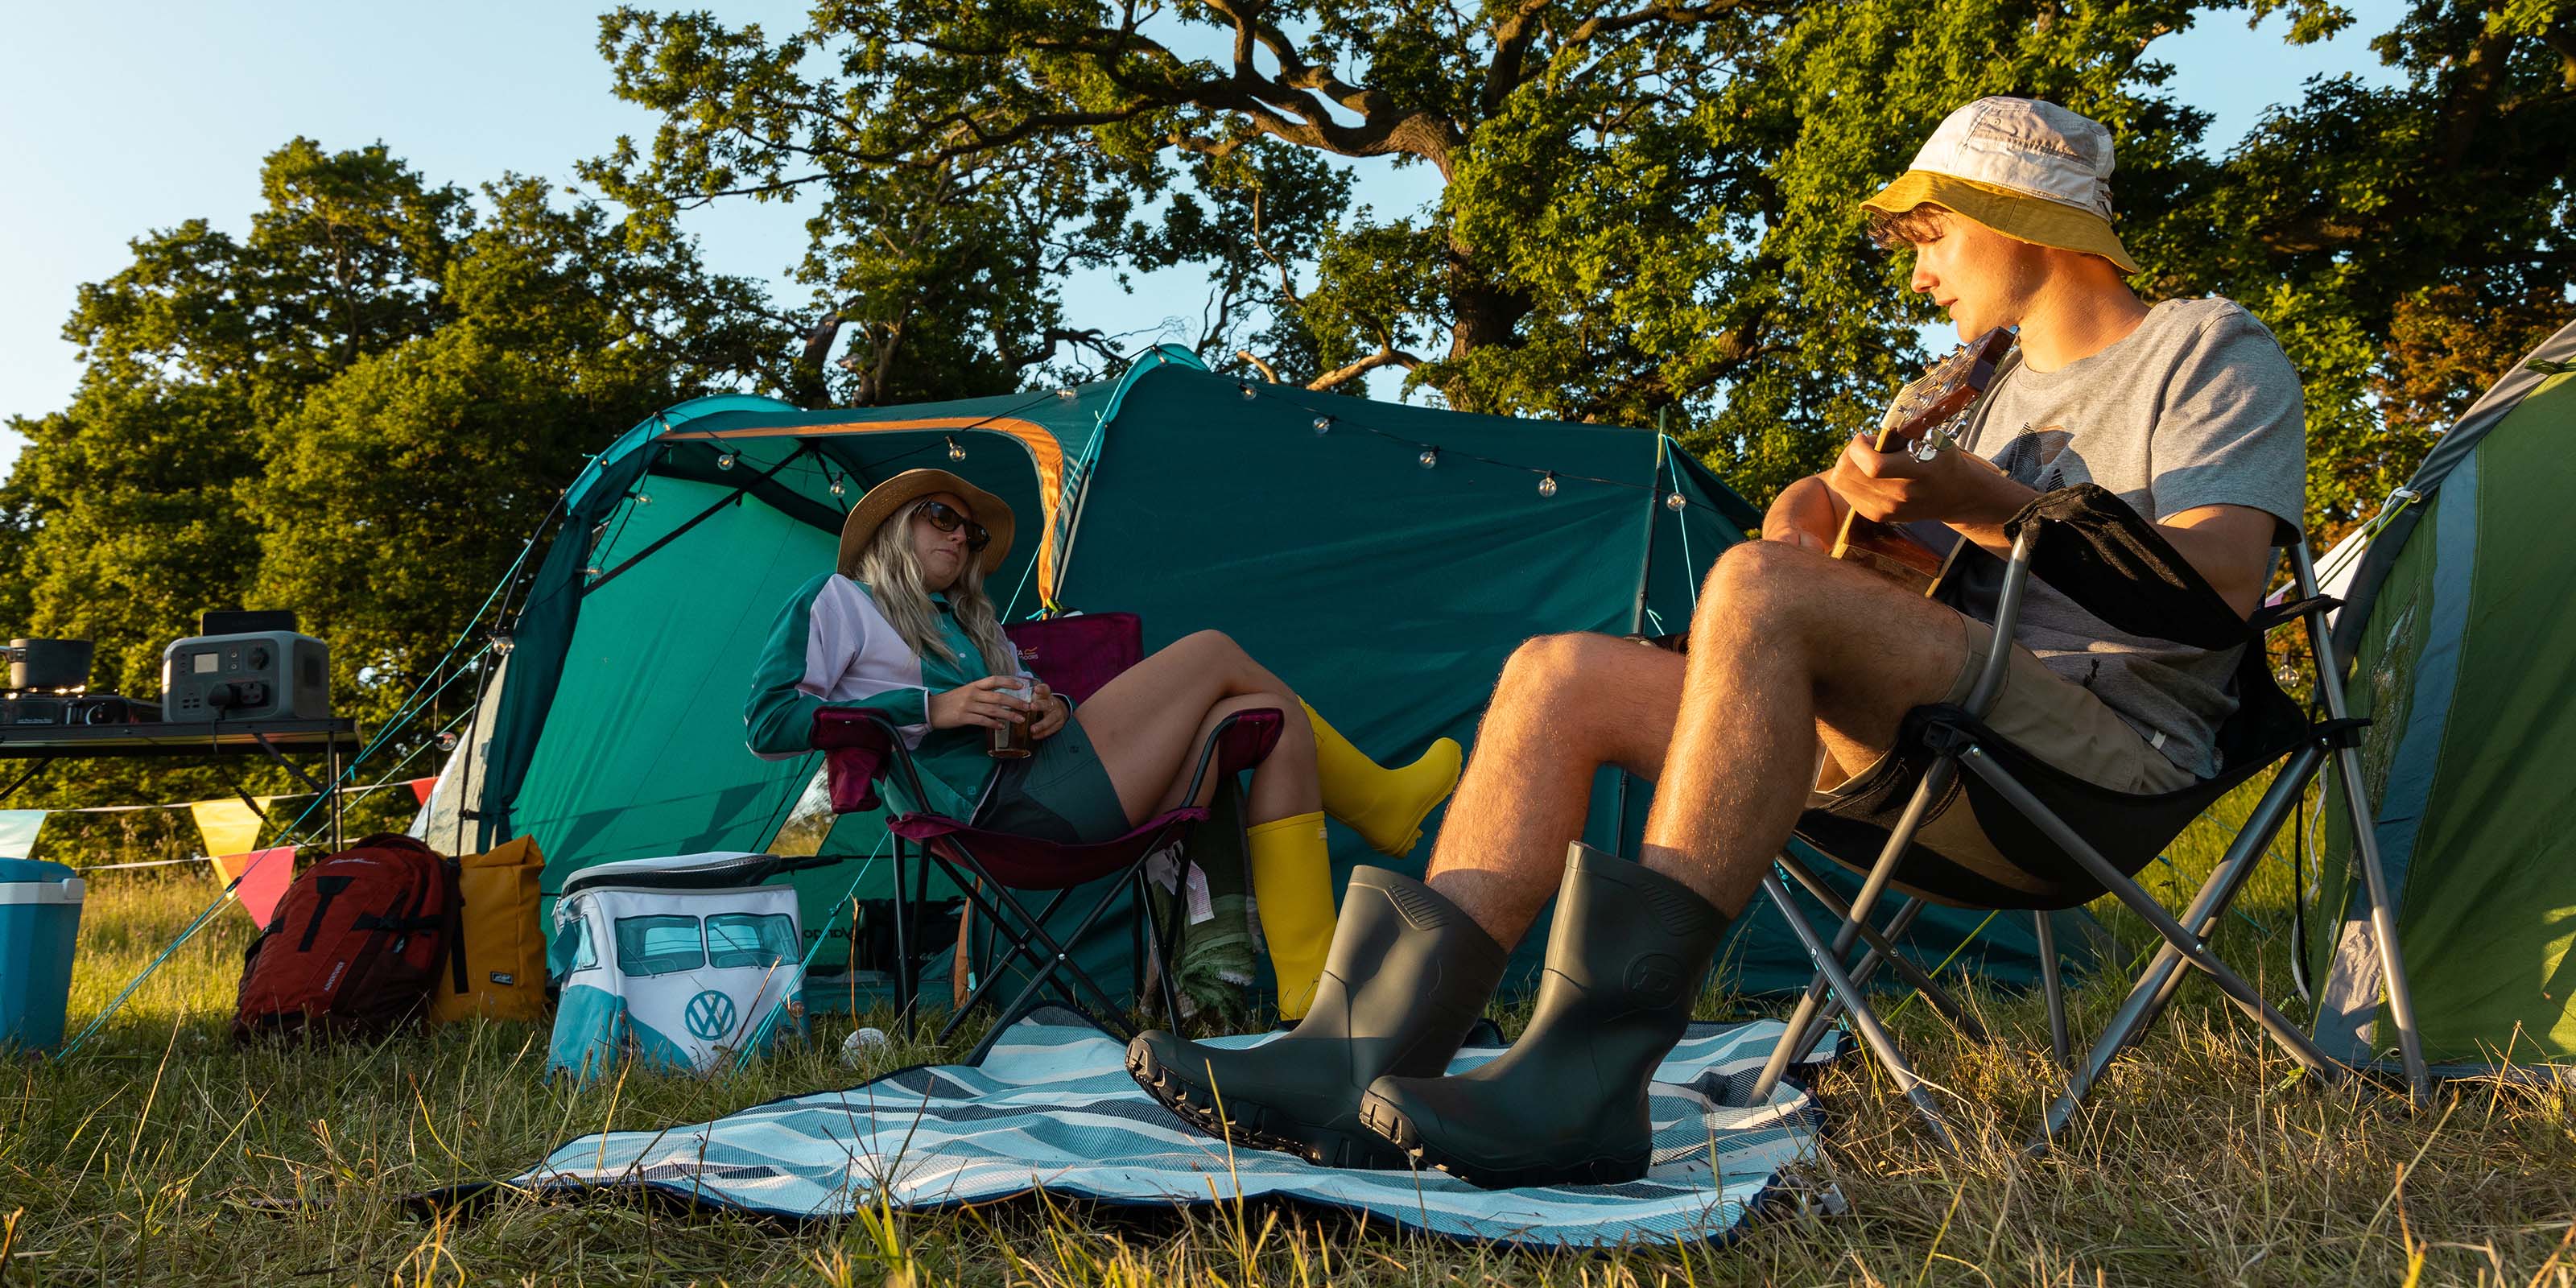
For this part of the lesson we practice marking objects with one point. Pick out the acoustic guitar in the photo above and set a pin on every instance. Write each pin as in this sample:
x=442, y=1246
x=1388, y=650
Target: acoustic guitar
x=1923, y=420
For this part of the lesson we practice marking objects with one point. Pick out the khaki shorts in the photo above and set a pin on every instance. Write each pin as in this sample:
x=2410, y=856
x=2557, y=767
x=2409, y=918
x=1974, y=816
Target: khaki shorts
x=2053, y=718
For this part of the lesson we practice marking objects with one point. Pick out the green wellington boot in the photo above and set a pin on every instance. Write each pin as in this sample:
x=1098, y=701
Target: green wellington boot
x=1406, y=977
x=1567, y=1104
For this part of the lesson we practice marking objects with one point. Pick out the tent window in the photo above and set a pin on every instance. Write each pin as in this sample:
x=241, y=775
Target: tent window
x=585, y=954
x=750, y=939
x=659, y=945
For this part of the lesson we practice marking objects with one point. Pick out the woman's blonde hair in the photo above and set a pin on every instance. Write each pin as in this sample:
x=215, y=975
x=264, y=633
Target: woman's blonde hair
x=891, y=570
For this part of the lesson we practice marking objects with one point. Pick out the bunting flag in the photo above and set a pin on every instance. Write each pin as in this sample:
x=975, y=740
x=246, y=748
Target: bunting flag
x=420, y=788
x=18, y=828
x=264, y=876
x=229, y=826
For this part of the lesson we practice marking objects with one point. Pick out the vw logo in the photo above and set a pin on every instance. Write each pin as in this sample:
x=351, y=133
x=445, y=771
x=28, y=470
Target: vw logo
x=710, y=1015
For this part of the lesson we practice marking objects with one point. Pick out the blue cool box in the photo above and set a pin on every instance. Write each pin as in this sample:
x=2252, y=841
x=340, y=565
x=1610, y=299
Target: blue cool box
x=40, y=905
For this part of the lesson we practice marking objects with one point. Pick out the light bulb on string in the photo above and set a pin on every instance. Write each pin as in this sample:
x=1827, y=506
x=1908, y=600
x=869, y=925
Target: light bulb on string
x=447, y=740
x=840, y=488
x=502, y=643
x=591, y=571
x=1547, y=484
x=1430, y=458
x=643, y=498
x=1066, y=394
x=1675, y=502
x=725, y=462
x=1323, y=424
x=955, y=452
x=1245, y=389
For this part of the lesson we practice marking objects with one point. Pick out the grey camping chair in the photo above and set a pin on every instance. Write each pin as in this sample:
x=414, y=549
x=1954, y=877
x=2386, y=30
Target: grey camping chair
x=2068, y=840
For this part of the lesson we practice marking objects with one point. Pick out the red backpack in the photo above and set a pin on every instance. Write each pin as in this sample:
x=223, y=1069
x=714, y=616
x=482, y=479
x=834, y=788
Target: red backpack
x=355, y=945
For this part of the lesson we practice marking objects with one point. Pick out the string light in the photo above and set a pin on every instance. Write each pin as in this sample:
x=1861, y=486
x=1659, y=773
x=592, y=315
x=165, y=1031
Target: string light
x=643, y=498
x=502, y=643
x=591, y=571
x=955, y=453
x=725, y=462
x=1675, y=502
x=1244, y=389
x=1323, y=424
x=840, y=488
x=1065, y=394
x=447, y=740
x=1430, y=458
x=1547, y=484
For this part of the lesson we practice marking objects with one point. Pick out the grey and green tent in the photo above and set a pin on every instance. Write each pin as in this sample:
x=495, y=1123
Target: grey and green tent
x=2463, y=637
x=1384, y=559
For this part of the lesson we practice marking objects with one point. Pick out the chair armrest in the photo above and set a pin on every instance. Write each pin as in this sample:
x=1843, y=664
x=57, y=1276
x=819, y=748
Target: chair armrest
x=2091, y=547
x=859, y=746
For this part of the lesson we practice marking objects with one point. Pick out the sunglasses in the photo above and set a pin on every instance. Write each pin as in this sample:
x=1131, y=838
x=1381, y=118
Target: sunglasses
x=947, y=519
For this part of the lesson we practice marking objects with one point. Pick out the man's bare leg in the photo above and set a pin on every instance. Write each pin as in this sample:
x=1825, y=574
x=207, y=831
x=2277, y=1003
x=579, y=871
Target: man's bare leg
x=1564, y=706
x=1790, y=646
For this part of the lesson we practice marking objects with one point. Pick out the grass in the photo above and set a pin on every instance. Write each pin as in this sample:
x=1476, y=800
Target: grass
x=150, y=1157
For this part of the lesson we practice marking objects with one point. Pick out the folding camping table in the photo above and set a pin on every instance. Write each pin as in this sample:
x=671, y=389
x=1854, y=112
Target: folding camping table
x=46, y=744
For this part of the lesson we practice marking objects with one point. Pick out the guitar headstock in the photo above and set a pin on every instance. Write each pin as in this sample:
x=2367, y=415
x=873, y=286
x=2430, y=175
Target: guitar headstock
x=1944, y=390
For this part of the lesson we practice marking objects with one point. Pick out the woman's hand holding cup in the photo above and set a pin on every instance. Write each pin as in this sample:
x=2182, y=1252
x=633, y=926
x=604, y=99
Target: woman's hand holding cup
x=991, y=703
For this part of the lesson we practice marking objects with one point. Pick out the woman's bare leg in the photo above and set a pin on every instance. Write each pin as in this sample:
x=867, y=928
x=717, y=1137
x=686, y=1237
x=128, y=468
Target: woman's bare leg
x=1149, y=723
x=1283, y=784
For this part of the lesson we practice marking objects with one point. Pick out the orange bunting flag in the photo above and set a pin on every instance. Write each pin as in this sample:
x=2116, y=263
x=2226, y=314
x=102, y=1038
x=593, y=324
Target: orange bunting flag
x=264, y=877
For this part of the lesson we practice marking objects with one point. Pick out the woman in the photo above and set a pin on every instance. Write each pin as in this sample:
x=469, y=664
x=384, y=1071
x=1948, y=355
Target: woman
x=904, y=626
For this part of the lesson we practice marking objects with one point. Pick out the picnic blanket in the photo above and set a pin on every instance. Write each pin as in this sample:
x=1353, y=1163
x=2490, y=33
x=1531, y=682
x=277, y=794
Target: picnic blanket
x=1051, y=1107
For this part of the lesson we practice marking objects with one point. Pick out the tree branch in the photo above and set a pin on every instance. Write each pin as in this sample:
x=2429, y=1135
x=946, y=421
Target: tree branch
x=1386, y=354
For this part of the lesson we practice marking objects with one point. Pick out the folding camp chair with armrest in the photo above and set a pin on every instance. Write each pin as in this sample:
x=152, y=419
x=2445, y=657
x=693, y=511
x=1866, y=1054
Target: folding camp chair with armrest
x=1073, y=655
x=2067, y=840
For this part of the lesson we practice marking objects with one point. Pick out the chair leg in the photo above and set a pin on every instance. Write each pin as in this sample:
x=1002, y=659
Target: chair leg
x=2046, y=936
x=1059, y=958
x=2192, y=947
x=1863, y=1018
x=1895, y=931
x=905, y=986
x=2365, y=836
x=1936, y=780
x=1883, y=949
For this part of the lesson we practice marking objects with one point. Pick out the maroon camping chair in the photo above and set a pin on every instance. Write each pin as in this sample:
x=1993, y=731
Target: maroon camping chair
x=1075, y=656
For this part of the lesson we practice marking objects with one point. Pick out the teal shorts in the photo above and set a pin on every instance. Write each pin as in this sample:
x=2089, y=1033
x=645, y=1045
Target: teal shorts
x=1060, y=792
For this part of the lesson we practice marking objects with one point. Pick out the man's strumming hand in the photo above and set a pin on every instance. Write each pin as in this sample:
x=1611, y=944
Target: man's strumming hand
x=1955, y=488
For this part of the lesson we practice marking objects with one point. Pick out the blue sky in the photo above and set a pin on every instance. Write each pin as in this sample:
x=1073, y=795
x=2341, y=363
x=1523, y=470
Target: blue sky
x=129, y=117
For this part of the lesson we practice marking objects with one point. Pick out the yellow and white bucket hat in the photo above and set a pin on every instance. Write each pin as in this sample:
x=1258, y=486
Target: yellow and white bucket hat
x=2028, y=169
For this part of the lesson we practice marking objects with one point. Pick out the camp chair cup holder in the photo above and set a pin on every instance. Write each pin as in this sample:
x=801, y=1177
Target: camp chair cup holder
x=2089, y=545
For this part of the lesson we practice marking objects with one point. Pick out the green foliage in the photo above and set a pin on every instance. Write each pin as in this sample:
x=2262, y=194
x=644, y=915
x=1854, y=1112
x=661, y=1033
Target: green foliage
x=1646, y=212
x=359, y=410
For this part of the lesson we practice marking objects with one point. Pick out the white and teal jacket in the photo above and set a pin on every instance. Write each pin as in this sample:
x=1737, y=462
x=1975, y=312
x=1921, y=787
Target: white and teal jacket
x=831, y=647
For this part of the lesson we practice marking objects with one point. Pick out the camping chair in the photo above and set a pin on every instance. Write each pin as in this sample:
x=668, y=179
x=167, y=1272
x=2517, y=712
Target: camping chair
x=2088, y=544
x=1074, y=656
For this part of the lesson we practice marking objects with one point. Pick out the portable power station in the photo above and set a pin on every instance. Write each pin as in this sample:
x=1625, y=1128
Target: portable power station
x=255, y=675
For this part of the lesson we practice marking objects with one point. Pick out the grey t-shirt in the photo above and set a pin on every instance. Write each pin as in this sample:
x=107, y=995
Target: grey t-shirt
x=2196, y=407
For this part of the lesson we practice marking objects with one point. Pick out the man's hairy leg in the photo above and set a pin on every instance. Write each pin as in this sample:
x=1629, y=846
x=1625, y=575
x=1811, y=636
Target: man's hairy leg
x=1787, y=644
x=1565, y=706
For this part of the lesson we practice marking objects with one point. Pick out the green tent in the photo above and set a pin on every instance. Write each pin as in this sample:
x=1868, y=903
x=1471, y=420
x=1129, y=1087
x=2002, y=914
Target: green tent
x=1385, y=559
x=2464, y=646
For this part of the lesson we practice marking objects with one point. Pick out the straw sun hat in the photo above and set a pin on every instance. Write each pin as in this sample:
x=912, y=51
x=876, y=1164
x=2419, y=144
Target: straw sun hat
x=2028, y=169
x=887, y=499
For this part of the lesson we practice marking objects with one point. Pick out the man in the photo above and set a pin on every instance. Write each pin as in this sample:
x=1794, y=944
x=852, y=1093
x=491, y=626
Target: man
x=2187, y=410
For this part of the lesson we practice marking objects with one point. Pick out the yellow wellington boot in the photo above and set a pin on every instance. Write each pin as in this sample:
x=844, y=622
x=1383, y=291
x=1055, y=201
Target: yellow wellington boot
x=1385, y=806
x=1292, y=884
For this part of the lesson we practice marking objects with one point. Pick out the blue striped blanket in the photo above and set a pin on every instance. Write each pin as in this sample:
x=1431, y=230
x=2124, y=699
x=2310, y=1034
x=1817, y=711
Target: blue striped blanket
x=1051, y=1107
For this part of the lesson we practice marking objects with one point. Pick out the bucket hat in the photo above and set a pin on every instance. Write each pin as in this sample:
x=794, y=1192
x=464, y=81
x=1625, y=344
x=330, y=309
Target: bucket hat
x=2026, y=168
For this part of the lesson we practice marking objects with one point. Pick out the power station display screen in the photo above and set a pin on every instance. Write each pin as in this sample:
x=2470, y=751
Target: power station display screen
x=204, y=663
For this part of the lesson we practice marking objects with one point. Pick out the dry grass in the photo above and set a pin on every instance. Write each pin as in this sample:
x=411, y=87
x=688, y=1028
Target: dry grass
x=2203, y=1160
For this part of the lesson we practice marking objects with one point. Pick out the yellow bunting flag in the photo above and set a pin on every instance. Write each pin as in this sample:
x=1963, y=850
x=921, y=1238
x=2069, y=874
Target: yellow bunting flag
x=229, y=826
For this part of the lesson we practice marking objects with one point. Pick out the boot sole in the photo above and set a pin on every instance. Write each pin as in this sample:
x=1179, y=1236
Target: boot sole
x=1254, y=1126
x=1382, y=1117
